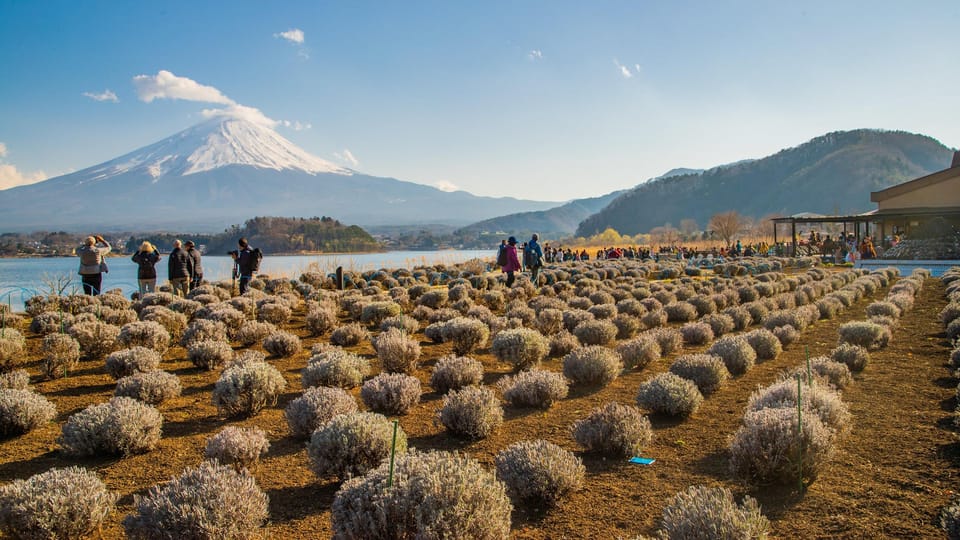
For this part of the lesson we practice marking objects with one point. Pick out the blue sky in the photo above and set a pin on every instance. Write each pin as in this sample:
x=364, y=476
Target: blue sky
x=546, y=100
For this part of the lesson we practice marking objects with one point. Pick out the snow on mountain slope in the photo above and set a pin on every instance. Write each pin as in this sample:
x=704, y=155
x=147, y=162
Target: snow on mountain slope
x=211, y=145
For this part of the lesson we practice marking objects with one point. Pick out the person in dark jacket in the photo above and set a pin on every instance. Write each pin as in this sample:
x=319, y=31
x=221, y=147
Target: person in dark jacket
x=146, y=258
x=533, y=257
x=246, y=263
x=196, y=276
x=179, y=269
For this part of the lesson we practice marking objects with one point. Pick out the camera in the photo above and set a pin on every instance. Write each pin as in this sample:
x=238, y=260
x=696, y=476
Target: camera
x=235, y=253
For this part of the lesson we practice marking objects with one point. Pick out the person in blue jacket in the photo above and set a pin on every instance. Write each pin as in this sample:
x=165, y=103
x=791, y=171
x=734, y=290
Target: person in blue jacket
x=533, y=258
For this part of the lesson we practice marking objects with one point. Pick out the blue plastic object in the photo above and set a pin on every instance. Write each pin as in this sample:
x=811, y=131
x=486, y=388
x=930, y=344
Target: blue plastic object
x=641, y=460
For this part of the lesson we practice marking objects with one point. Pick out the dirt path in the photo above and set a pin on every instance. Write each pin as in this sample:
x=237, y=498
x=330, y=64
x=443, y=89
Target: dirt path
x=892, y=474
x=898, y=466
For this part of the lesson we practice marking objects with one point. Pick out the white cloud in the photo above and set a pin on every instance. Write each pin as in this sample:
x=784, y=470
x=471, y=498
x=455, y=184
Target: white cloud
x=11, y=177
x=166, y=85
x=444, y=185
x=250, y=114
x=535, y=54
x=636, y=67
x=296, y=125
x=347, y=157
x=624, y=70
x=293, y=35
x=106, y=95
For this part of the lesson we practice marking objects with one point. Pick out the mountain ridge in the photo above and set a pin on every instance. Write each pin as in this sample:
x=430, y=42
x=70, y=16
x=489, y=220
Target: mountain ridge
x=832, y=173
x=559, y=221
x=221, y=172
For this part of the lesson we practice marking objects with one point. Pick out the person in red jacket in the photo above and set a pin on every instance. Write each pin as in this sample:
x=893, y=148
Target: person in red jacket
x=513, y=262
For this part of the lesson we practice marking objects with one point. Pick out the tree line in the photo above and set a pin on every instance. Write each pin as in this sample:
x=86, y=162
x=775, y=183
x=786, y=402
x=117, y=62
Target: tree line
x=271, y=234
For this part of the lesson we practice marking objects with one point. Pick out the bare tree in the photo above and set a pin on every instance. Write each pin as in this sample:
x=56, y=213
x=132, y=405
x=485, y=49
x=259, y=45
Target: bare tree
x=54, y=284
x=666, y=234
x=763, y=227
x=688, y=228
x=727, y=225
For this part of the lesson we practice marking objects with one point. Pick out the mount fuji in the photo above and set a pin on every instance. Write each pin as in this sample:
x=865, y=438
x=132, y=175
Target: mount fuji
x=227, y=170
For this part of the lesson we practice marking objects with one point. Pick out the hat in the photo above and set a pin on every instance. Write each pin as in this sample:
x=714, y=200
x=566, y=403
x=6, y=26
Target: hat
x=512, y=241
x=189, y=243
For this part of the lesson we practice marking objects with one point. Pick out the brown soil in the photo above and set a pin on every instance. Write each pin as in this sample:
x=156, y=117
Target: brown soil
x=894, y=471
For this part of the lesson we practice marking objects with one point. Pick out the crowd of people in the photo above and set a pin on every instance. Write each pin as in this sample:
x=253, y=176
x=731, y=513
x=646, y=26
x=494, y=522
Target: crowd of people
x=845, y=247
x=184, y=265
x=515, y=257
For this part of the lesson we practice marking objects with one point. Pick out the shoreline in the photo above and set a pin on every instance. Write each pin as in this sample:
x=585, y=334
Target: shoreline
x=282, y=254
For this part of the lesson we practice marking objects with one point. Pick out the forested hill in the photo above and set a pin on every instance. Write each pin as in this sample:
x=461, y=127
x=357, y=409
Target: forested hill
x=833, y=173
x=559, y=221
x=277, y=235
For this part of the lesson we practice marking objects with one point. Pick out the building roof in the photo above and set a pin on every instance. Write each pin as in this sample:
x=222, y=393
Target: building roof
x=913, y=185
x=873, y=215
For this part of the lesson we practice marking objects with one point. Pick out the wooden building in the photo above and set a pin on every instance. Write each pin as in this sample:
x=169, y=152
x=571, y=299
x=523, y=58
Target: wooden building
x=908, y=205
x=900, y=209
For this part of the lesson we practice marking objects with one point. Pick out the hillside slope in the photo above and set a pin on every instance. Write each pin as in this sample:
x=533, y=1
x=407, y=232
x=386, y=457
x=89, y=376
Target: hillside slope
x=833, y=173
x=559, y=221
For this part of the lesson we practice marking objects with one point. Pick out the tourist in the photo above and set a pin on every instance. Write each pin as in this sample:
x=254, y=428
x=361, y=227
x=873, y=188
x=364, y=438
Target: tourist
x=533, y=257
x=92, y=264
x=179, y=268
x=829, y=248
x=146, y=258
x=196, y=270
x=246, y=263
x=867, y=251
x=512, y=262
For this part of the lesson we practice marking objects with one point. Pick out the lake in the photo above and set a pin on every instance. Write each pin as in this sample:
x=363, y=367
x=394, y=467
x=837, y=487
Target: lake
x=23, y=278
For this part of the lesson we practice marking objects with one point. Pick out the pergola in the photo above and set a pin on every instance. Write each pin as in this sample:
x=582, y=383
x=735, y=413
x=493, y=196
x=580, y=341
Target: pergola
x=898, y=221
x=854, y=221
x=902, y=207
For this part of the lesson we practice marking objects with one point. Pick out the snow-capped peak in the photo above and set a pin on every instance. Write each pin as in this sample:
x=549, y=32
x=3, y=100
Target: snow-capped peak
x=213, y=144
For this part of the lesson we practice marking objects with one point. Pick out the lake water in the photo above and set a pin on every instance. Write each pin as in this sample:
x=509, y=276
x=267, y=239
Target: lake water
x=23, y=278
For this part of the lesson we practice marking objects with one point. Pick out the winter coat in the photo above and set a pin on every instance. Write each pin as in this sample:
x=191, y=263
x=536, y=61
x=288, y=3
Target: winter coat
x=195, y=257
x=247, y=262
x=146, y=262
x=179, y=265
x=533, y=254
x=91, y=253
x=513, y=263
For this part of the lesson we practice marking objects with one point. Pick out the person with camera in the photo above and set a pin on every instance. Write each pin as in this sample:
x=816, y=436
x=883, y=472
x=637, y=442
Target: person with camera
x=179, y=269
x=92, y=263
x=246, y=263
x=196, y=274
x=146, y=258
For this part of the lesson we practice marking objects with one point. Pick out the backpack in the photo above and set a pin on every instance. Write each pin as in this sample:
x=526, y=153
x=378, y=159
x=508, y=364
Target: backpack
x=502, y=257
x=531, y=259
x=89, y=256
x=257, y=257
